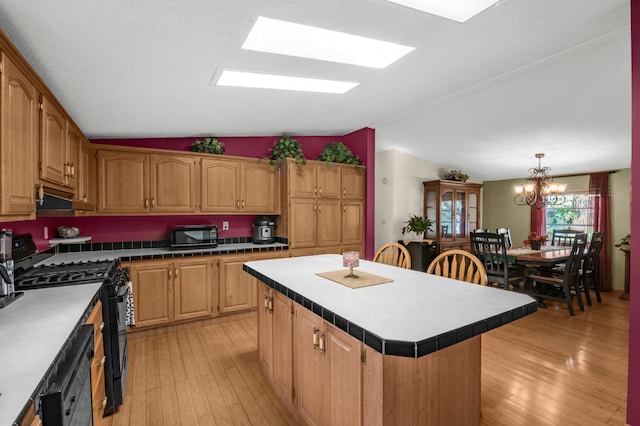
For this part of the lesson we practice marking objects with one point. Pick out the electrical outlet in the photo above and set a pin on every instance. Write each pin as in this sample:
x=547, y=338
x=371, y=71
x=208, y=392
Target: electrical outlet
x=225, y=225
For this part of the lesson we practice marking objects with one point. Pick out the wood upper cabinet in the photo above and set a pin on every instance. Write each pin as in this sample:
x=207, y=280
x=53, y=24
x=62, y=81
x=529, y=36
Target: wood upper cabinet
x=238, y=186
x=327, y=372
x=123, y=185
x=72, y=168
x=170, y=291
x=19, y=104
x=172, y=183
x=86, y=190
x=454, y=209
x=326, y=206
x=136, y=182
x=314, y=180
x=53, y=144
x=352, y=183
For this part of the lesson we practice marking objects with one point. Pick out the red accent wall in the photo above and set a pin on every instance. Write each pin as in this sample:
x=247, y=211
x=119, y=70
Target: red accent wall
x=145, y=228
x=633, y=392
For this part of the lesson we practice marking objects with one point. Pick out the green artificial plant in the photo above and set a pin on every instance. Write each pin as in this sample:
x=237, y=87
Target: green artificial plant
x=286, y=147
x=338, y=152
x=210, y=145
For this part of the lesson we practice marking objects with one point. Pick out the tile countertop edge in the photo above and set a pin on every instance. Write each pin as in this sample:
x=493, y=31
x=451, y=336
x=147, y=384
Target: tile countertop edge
x=409, y=349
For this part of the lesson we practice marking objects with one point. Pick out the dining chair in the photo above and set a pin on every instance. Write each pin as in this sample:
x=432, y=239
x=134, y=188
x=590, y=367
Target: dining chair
x=491, y=249
x=565, y=237
x=393, y=254
x=507, y=236
x=561, y=286
x=589, y=271
x=481, y=230
x=459, y=265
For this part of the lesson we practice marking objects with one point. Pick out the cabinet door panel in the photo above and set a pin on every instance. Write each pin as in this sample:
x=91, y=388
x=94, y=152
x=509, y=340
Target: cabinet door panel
x=352, y=222
x=342, y=376
x=220, y=186
x=265, y=330
x=353, y=183
x=328, y=181
x=303, y=223
x=152, y=293
x=237, y=291
x=173, y=183
x=53, y=144
x=329, y=224
x=258, y=183
x=302, y=180
x=282, y=345
x=308, y=367
x=74, y=141
x=18, y=138
x=192, y=289
x=122, y=177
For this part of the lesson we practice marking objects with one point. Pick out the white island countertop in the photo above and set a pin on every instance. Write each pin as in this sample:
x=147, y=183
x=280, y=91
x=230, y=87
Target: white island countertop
x=416, y=314
x=33, y=329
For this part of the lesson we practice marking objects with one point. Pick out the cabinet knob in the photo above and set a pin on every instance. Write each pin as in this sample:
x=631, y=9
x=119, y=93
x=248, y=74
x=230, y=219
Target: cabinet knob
x=344, y=191
x=153, y=202
x=315, y=338
x=146, y=202
x=320, y=190
x=237, y=204
x=322, y=348
x=243, y=204
x=101, y=327
x=103, y=360
x=315, y=190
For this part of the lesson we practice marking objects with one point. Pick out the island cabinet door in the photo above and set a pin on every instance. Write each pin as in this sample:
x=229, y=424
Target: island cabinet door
x=307, y=366
x=342, y=377
x=265, y=330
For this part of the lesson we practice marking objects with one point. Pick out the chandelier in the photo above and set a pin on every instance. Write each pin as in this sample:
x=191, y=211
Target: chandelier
x=539, y=191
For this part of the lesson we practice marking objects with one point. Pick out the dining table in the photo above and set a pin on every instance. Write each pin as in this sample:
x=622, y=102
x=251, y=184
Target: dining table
x=547, y=257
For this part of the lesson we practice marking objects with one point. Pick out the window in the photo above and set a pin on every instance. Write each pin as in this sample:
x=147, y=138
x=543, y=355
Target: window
x=573, y=214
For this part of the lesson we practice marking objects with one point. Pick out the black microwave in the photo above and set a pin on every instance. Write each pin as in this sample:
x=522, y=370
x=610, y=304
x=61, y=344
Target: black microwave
x=194, y=236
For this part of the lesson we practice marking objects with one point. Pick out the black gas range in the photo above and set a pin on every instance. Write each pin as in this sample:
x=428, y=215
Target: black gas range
x=115, y=295
x=66, y=274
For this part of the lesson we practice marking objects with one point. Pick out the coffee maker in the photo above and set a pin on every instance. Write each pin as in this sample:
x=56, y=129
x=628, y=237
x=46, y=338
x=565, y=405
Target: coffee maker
x=7, y=289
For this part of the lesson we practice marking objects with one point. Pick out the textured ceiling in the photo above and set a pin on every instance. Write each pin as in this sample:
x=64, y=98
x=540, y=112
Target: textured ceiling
x=521, y=77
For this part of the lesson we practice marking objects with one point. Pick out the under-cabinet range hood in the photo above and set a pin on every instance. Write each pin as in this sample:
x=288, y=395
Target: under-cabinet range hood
x=55, y=203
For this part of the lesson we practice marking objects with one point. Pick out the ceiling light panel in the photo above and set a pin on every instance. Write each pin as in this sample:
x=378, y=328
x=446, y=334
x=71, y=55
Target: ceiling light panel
x=457, y=10
x=287, y=38
x=281, y=82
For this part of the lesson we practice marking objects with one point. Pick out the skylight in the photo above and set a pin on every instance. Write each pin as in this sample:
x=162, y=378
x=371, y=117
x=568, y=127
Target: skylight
x=287, y=38
x=458, y=10
x=281, y=82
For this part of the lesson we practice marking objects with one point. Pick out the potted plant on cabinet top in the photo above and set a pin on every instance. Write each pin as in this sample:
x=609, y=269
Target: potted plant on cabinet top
x=210, y=145
x=285, y=147
x=338, y=152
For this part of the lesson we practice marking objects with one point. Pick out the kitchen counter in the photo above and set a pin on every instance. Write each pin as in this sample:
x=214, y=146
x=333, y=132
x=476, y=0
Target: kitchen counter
x=412, y=316
x=128, y=255
x=33, y=329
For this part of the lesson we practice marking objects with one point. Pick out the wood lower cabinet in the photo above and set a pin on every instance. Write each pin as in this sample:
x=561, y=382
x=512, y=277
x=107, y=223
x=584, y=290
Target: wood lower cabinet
x=98, y=391
x=168, y=291
x=237, y=291
x=19, y=103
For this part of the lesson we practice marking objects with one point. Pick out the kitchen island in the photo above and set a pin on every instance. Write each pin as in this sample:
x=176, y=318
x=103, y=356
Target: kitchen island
x=403, y=352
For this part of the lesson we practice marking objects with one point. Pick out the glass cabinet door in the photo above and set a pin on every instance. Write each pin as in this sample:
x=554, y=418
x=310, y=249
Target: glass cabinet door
x=473, y=211
x=447, y=214
x=460, y=214
x=431, y=206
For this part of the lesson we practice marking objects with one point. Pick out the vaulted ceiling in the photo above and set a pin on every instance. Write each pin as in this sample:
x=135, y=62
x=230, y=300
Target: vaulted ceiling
x=521, y=77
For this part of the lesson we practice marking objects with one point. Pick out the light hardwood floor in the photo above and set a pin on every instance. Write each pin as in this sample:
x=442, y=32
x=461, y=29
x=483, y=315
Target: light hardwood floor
x=545, y=369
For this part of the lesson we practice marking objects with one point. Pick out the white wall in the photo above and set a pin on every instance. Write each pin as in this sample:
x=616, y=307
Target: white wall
x=398, y=187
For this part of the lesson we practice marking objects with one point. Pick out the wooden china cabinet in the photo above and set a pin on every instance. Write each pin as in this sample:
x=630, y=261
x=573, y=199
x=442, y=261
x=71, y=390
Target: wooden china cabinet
x=454, y=209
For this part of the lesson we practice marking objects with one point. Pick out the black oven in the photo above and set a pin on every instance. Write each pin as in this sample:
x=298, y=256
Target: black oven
x=65, y=398
x=194, y=236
